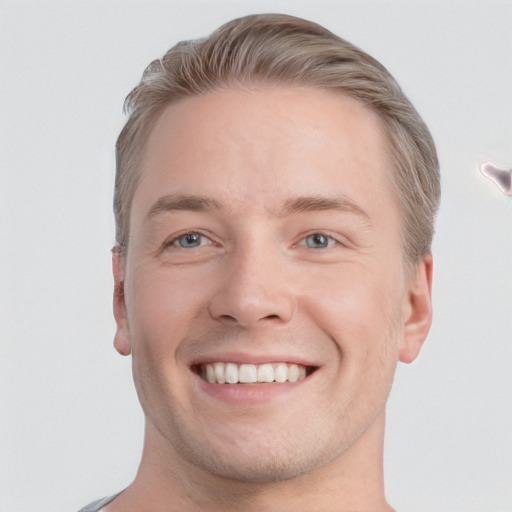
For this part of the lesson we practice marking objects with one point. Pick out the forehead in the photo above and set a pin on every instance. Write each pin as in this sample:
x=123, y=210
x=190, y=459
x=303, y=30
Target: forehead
x=263, y=147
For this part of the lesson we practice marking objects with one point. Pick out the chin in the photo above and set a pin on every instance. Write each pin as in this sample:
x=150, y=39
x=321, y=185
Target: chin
x=260, y=470
x=262, y=461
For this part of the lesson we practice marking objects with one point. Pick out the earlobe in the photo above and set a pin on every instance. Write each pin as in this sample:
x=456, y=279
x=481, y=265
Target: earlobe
x=417, y=313
x=122, y=336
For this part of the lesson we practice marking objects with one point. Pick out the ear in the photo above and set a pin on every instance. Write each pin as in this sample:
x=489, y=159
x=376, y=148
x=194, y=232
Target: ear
x=122, y=337
x=417, y=311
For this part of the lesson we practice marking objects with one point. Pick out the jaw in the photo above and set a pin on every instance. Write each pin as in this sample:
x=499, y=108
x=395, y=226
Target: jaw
x=261, y=441
x=253, y=486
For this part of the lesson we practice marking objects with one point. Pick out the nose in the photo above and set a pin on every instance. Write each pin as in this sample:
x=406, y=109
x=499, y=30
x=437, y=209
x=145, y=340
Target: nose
x=254, y=289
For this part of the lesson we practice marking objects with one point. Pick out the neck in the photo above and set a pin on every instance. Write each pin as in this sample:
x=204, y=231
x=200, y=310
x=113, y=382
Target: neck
x=166, y=482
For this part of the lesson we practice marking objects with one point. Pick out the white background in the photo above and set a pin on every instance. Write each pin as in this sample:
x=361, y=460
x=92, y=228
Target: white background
x=70, y=424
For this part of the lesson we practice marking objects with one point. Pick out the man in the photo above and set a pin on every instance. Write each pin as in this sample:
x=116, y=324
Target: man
x=275, y=199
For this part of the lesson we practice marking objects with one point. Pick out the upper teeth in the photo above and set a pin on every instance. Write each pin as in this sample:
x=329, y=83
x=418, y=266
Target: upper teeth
x=232, y=373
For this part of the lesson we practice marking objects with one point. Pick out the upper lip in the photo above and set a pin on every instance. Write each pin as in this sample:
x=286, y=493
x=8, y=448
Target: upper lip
x=251, y=358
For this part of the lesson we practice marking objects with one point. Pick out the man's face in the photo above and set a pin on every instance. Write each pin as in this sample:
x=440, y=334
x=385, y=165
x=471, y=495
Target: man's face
x=265, y=239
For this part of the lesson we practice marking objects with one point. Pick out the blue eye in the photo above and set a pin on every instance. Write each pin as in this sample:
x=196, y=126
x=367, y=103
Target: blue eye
x=319, y=241
x=190, y=240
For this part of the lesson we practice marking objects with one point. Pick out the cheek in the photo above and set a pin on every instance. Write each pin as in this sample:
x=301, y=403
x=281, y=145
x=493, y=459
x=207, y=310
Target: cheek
x=359, y=310
x=352, y=294
x=161, y=309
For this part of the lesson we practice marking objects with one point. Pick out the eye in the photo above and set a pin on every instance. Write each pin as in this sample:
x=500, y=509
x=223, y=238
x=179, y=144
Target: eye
x=319, y=241
x=190, y=240
x=189, y=247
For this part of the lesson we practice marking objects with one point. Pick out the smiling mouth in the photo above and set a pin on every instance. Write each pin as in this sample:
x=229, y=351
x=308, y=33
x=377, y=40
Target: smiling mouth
x=232, y=373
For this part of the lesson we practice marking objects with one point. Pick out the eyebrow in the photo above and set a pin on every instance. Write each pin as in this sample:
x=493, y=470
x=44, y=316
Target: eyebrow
x=197, y=203
x=174, y=202
x=319, y=203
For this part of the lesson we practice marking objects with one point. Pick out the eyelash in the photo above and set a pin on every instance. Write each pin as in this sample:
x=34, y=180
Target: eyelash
x=331, y=241
x=175, y=240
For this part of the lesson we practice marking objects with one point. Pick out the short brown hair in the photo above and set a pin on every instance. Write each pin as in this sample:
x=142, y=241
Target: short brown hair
x=279, y=49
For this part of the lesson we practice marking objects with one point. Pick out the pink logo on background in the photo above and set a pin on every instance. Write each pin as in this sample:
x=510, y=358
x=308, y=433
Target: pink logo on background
x=500, y=175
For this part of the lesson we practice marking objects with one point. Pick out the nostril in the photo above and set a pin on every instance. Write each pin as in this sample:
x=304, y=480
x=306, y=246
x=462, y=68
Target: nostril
x=247, y=310
x=232, y=320
x=228, y=318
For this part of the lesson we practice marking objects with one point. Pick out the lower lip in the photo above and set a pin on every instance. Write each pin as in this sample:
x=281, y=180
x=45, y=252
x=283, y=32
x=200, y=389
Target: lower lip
x=250, y=394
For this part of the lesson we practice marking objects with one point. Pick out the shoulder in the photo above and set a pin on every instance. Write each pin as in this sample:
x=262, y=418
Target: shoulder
x=96, y=506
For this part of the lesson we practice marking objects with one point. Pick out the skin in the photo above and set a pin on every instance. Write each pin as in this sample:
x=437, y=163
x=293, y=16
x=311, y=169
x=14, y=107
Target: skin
x=273, y=167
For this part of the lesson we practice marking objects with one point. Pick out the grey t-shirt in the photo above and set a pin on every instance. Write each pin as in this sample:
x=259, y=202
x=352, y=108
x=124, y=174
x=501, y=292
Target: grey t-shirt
x=95, y=506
